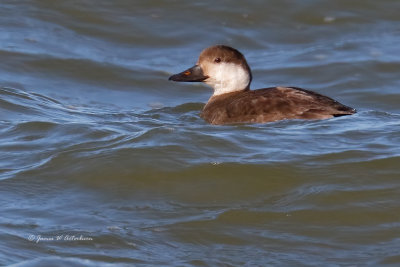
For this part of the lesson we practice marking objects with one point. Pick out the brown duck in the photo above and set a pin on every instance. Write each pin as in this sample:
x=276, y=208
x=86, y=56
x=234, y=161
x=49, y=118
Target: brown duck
x=226, y=70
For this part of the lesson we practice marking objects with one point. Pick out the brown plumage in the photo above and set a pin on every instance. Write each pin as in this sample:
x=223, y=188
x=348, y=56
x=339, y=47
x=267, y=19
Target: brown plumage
x=226, y=70
x=271, y=104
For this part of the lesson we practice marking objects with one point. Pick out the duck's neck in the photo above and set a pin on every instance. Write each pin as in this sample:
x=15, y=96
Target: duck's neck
x=228, y=78
x=222, y=90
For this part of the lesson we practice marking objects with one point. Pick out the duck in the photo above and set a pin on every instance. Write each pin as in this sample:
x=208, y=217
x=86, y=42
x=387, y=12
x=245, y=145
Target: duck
x=225, y=69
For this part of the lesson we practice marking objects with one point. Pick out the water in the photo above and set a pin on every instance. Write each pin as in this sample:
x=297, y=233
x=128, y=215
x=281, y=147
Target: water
x=104, y=162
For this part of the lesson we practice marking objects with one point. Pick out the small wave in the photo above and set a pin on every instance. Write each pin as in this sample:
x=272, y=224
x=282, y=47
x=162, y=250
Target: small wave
x=67, y=261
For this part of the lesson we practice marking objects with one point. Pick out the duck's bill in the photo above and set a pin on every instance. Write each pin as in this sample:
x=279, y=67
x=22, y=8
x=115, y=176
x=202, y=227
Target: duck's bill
x=194, y=74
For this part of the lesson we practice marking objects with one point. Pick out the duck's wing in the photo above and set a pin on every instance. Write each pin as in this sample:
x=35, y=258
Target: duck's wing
x=313, y=101
x=278, y=103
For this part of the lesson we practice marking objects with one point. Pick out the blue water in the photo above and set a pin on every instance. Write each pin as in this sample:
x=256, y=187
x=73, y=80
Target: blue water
x=104, y=162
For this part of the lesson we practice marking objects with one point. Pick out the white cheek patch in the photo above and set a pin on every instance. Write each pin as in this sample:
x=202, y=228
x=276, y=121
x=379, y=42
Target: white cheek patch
x=227, y=77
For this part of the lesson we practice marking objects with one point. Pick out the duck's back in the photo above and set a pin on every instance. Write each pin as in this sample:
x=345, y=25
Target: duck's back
x=271, y=104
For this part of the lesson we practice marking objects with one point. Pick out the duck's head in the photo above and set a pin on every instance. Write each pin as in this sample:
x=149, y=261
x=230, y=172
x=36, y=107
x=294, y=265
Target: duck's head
x=222, y=67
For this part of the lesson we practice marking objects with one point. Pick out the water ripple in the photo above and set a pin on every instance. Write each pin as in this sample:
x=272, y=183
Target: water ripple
x=96, y=141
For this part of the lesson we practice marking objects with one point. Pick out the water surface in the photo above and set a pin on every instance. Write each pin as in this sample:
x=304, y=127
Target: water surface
x=104, y=162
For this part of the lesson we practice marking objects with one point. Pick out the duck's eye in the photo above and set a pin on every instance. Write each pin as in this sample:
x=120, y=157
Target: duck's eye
x=217, y=60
